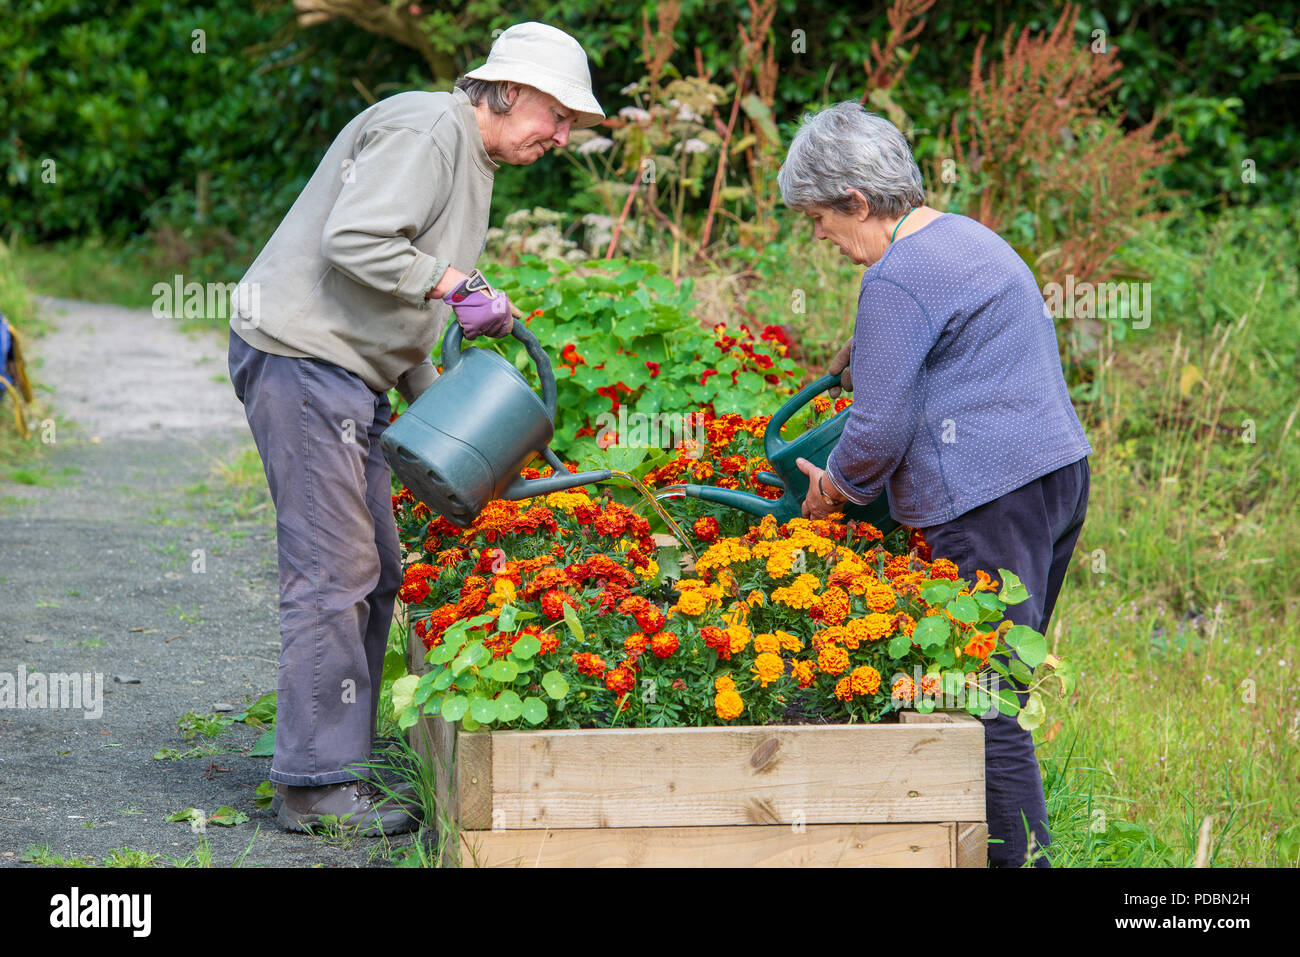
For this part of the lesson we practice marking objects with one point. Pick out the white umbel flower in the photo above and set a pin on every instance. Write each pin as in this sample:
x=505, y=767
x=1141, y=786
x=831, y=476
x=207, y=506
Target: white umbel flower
x=597, y=144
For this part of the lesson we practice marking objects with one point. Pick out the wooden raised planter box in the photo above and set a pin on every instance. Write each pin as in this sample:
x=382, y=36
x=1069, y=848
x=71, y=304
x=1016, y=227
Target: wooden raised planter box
x=882, y=795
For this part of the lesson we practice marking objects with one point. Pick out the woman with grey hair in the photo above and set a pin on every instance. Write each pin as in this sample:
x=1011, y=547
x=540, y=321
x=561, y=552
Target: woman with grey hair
x=345, y=302
x=961, y=412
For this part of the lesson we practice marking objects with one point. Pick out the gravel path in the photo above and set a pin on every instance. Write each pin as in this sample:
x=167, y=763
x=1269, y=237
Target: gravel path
x=123, y=569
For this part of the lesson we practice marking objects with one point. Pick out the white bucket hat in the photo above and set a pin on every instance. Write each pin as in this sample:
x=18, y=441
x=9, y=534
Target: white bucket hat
x=547, y=59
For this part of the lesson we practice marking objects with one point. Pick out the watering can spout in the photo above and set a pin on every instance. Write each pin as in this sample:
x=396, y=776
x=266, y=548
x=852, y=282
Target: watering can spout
x=563, y=479
x=731, y=498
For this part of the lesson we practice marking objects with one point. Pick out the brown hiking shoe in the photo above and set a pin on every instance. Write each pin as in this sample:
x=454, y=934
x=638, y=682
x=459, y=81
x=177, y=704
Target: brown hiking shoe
x=381, y=748
x=353, y=804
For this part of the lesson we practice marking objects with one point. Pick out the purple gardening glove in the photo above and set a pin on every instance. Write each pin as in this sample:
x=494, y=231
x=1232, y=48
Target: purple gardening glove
x=480, y=309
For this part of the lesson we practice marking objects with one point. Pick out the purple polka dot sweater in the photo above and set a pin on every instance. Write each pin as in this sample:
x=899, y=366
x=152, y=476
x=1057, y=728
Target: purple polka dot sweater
x=958, y=393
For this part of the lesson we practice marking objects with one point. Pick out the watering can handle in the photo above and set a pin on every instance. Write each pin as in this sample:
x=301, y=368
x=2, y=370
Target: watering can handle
x=451, y=349
x=772, y=441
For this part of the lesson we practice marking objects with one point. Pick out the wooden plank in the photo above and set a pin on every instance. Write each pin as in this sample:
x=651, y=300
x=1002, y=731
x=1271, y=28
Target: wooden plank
x=937, y=717
x=972, y=839
x=663, y=777
x=817, y=845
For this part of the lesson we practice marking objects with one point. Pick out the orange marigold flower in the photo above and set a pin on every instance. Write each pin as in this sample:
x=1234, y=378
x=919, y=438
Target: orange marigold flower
x=880, y=597
x=844, y=689
x=739, y=637
x=767, y=668
x=833, y=606
x=550, y=642
x=724, y=683
x=832, y=659
x=691, y=603
x=663, y=644
x=804, y=672
x=865, y=680
x=766, y=643
x=728, y=705
x=821, y=405
x=635, y=643
x=930, y=684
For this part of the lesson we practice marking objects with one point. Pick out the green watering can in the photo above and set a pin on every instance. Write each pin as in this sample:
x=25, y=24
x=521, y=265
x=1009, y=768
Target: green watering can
x=462, y=442
x=815, y=445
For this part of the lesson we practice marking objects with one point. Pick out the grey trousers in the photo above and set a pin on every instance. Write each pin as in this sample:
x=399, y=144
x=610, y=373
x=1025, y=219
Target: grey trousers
x=317, y=428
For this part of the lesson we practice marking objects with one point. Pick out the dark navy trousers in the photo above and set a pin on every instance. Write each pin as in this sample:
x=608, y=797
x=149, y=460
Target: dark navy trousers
x=1030, y=531
x=317, y=427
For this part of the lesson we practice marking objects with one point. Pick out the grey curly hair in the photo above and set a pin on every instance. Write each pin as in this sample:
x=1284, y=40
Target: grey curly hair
x=494, y=91
x=843, y=147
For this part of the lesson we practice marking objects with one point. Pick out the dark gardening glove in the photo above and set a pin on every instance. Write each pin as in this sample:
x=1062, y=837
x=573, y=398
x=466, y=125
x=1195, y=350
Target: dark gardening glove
x=842, y=366
x=480, y=309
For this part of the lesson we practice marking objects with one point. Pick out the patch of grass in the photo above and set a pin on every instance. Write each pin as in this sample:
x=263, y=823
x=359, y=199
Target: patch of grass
x=193, y=724
x=130, y=857
x=43, y=855
x=60, y=269
x=235, y=487
x=1180, y=610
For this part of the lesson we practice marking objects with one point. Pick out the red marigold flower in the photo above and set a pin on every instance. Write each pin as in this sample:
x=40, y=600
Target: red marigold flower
x=679, y=684
x=635, y=643
x=663, y=644
x=842, y=403
x=717, y=639
x=942, y=568
x=620, y=680
x=650, y=619
x=589, y=664
x=706, y=529
x=550, y=641
x=553, y=603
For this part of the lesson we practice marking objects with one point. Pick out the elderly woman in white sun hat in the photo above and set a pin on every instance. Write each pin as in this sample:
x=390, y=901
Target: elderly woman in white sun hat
x=346, y=301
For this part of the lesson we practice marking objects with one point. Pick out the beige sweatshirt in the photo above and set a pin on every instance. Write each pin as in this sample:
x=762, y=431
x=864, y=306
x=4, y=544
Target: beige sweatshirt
x=402, y=193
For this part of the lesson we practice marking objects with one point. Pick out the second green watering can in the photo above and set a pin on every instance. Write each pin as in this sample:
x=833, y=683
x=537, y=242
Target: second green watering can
x=815, y=445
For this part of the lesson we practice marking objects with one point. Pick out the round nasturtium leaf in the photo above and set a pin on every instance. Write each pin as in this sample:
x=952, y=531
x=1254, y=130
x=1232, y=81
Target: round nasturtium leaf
x=483, y=710
x=1034, y=712
x=509, y=706
x=930, y=632
x=404, y=692
x=526, y=647
x=534, y=710
x=504, y=671
x=443, y=681
x=898, y=646
x=555, y=684
x=454, y=707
